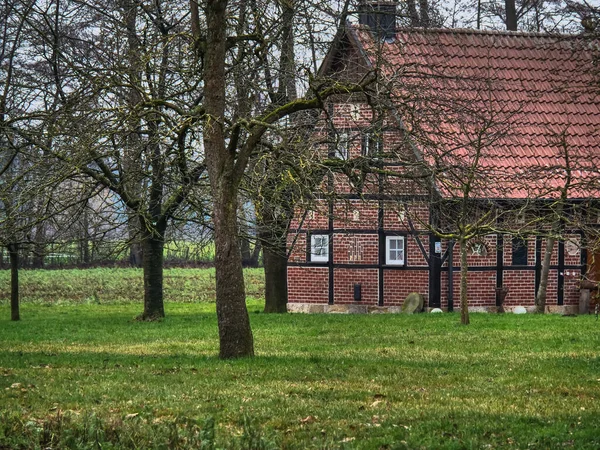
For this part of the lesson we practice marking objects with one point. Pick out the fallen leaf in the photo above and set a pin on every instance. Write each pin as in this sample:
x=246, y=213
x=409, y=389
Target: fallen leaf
x=131, y=416
x=308, y=419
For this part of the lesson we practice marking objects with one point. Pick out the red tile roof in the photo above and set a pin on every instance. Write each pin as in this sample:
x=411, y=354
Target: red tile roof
x=519, y=102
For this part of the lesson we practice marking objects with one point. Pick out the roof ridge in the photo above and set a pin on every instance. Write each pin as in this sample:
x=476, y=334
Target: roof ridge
x=471, y=31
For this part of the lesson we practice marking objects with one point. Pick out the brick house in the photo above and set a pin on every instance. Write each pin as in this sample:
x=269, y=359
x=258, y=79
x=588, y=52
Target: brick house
x=521, y=105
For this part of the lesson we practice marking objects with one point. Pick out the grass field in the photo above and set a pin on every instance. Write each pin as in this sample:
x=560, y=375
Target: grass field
x=81, y=373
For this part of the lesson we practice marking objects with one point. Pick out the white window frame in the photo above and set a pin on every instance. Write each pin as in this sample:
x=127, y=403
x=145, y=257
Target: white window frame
x=478, y=249
x=323, y=254
x=394, y=261
x=372, y=144
x=342, y=149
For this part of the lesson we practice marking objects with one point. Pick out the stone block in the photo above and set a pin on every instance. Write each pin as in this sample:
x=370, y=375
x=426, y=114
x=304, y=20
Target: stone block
x=413, y=303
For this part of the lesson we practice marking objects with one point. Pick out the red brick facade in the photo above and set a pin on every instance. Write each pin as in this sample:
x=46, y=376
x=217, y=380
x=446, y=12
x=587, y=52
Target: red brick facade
x=359, y=233
x=358, y=227
x=356, y=260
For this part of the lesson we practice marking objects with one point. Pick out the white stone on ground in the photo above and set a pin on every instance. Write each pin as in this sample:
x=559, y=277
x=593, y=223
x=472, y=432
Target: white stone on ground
x=436, y=310
x=519, y=310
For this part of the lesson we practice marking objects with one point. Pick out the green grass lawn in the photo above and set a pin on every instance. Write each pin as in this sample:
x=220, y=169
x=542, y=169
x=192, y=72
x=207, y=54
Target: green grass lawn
x=77, y=373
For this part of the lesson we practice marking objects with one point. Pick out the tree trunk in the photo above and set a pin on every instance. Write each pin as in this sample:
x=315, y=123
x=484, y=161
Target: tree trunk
x=464, y=271
x=235, y=335
x=39, y=247
x=250, y=257
x=256, y=254
x=276, y=293
x=511, y=15
x=424, y=10
x=245, y=249
x=135, y=246
x=136, y=254
x=540, y=298
x=85, y=237
x=413, y=14
x=13, y=251
x=131, y=161
x=152, y=264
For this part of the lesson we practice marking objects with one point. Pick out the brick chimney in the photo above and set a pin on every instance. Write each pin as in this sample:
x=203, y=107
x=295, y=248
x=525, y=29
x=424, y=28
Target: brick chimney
x=380, y=16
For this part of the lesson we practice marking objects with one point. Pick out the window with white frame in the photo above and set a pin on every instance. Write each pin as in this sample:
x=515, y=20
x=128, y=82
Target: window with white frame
x=394, y=250
x=343, y=144
x=372, y=144
x=319, y=248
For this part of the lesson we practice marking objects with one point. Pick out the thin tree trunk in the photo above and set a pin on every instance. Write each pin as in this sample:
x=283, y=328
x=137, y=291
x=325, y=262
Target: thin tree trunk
x=245, y=249
x=464, y=271
x=424, y=10
x=540, y=298
x=250, y=256
x=413, y=14
x=39, y=247
x=152, y=264
x=136, y=247
x=85, y=238
x=13, y=251
x=136, y=254
x=131, y=159
x=276, y=292
x=511, y=15
x=256, y=254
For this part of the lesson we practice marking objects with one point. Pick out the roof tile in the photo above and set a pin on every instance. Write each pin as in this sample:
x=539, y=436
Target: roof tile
x=537, y=88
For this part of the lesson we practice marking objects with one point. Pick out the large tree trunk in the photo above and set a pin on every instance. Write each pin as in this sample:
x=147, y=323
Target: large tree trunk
x=276, y=291
x=13, y=251
x=152, y=265
x=235, y=335
x=464, y=271
x=540, y=298
x=511, y=15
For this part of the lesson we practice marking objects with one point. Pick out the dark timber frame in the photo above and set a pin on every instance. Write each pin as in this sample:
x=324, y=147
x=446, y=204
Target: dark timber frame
x=435, y=262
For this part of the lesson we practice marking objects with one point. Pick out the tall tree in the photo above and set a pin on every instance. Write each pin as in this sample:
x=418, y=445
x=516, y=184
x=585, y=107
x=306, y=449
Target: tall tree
x=228, y=150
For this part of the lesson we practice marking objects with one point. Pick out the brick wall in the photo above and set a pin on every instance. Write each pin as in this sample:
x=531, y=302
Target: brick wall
x=344, y=280
x=356, y=214
x=571, y=287
x=399, y=283
x=396, y=215
x=414, y=255
x=308, y=284
x=522, y=288
x=298, y=254
x=355, y=249
x=481, y=289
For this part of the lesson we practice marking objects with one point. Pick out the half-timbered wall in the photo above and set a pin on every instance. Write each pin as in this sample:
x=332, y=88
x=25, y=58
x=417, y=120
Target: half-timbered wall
x=358, y=225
